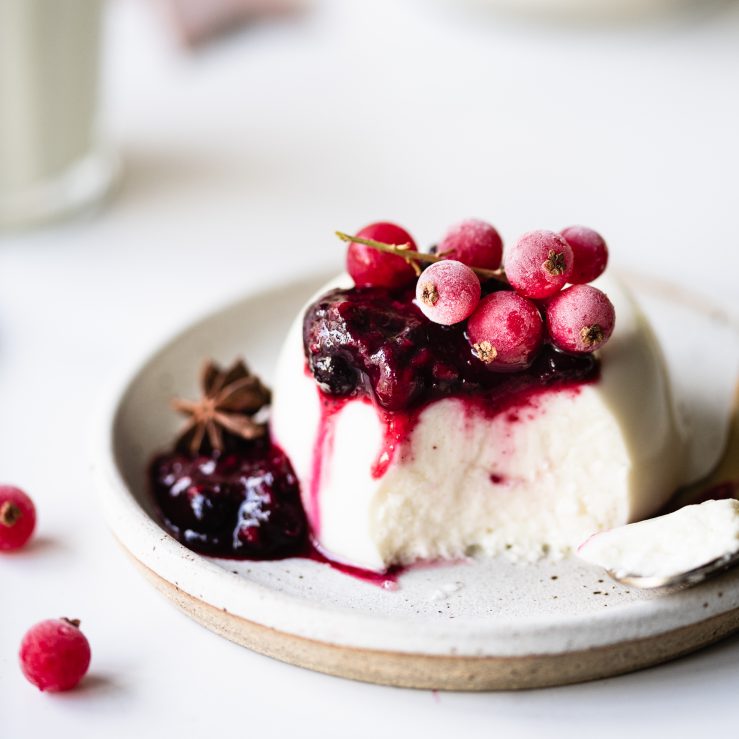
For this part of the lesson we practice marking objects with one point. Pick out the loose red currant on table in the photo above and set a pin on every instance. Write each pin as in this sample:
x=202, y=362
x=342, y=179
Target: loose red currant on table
x=539, y=264
x=590, y=253
x=55, y=655
x=447, y=292
x=474, y=243
x=580, y=319
x=369, y=267
x=506, y=330
x=17, y=518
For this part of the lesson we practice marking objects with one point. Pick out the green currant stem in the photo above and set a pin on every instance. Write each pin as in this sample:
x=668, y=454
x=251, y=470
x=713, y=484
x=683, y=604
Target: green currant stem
x=404, y=251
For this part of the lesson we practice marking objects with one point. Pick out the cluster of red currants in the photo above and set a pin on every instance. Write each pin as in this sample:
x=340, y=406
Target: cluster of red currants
x=54, y=654
x=507, y=326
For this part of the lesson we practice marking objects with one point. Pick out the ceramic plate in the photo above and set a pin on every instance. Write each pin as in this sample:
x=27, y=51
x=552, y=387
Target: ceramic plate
x=473, y=625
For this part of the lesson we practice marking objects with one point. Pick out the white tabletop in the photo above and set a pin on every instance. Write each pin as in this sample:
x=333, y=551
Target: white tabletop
x=240, y=161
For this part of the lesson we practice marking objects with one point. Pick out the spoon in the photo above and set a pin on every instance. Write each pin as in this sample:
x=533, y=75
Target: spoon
x=675, y=550
x=680, y=580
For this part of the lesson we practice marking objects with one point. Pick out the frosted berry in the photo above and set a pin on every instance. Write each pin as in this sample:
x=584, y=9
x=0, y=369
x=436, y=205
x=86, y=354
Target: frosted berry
x=539, y=264
x=506, y=330
x=590, y=253
x=580, y=319
x=447, y=292
x=55, y=655
x=474, y=243
x=369, y=267
x=17, y=518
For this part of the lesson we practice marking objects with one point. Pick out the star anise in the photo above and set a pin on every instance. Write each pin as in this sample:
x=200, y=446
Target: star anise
x=231, y=399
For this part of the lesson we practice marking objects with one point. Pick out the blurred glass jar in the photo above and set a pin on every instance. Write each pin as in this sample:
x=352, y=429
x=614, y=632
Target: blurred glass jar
x=51, y=159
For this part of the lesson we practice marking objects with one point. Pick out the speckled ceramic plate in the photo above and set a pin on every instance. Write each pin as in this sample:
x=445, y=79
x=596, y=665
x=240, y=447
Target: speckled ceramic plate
x=474, y=625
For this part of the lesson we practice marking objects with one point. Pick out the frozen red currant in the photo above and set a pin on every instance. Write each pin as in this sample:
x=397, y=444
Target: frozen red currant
x=369, y=267
x=505, y=330
x=474, y=243
x=55, y=655
x=17, y=518
x=580, y=319
x=589, y=251
x=447, y=292
x=539, y=264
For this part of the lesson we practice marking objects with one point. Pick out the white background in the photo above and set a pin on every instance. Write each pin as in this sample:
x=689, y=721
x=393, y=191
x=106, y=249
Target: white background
x=239, y=162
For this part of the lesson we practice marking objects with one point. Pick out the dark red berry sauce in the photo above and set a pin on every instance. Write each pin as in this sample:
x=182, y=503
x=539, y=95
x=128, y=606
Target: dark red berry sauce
x=243, y=502
x=376, y=343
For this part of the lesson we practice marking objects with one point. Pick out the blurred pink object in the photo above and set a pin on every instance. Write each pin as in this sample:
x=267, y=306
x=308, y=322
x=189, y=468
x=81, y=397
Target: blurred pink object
x=197, y=21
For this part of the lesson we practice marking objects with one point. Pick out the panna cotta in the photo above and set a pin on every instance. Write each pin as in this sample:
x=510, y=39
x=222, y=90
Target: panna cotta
x=407, y=447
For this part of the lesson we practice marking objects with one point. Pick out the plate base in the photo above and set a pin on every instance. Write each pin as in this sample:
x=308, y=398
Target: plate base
x=462, y=673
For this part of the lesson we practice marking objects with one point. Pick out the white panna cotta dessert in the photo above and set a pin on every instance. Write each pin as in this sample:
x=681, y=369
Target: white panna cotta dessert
x=462, y=412
x=537, y=477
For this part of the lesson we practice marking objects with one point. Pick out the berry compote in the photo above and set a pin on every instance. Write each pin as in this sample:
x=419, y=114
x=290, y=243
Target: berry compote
x=241, y=502
x=376, y=342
